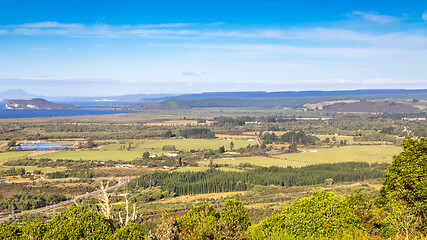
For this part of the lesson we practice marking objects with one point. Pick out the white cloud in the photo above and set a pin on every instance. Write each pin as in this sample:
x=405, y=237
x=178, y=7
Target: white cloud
x=167, y=25
x=190, y=74
x=326, y=36
x=99, y=29
x=49, y=24
x=194, y=74
x=376, y=18
x=255, y=51
x=312, y=42
x=425, y=16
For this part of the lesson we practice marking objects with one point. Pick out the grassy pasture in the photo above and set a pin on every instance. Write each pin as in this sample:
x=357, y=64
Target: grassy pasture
x=4, y=156
x=187, y=144
x=3, y=145
x=258, y=160
x=180, y=144
x=113, y=152
x=370, y=154
x=94, y=155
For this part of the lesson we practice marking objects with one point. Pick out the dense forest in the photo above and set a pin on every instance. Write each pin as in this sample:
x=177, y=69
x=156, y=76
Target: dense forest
x=215, y=181
x=27, y=201
x=197, y=133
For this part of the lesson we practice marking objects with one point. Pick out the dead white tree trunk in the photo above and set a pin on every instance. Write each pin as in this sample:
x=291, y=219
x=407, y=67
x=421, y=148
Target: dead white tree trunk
x=129, y=218
x=104, y=201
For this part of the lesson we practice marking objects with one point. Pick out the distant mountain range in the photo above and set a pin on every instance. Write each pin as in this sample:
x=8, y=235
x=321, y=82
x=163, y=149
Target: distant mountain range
x=291, y=99
x=299, y=94
x=15, y=94
x=128, y=98
x=262, y=99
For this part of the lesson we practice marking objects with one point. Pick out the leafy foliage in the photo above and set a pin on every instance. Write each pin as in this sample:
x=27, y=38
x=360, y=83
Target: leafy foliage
x=204, y=222
x=197, y=133
x=12, y=172
x=322, y=215
x=27, y=201
x=79, y=223
x=406, y=178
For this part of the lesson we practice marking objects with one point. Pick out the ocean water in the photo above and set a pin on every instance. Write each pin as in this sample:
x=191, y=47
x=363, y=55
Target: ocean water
x=7, y=113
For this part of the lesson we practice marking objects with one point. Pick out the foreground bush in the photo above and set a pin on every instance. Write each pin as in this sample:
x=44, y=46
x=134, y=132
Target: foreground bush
x=204, y=222
x=322, y=215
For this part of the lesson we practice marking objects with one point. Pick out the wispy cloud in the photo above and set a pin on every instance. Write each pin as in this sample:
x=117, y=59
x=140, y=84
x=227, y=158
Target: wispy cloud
x=318, y=35
x=256, y=51
x=49, y=24
x=194, y=74
x=376, y=18
x=99, y=29
x=425, y=16
x=190, y=74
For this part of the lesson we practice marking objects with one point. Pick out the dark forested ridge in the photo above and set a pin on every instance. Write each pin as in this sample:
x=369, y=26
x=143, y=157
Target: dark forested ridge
x=298, y=94
x=215, y=181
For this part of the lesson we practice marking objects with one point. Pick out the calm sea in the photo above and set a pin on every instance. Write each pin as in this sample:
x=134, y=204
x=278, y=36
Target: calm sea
x=6, y=113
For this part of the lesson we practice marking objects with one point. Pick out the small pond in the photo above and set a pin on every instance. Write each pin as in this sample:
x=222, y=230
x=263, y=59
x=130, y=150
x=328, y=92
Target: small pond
x=40, y=146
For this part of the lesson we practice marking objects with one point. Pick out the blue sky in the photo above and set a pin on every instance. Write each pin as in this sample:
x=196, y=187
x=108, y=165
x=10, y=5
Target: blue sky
x=87, y=48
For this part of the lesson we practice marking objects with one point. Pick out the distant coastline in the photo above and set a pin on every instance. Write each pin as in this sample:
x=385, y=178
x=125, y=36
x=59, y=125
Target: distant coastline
x=27, y=113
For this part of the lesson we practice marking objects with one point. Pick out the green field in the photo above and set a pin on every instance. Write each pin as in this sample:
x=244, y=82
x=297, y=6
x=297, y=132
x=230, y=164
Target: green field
x=371, y=154
x=3, y=145
x=113, y=152
x=258, y=161
x=4, y=156
x=94, y=155
x=180, y=144
x=187, y=144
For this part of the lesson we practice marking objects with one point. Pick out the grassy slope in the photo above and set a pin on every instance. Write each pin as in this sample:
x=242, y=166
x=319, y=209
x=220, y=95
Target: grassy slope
x=113, y=152
x=370, y=154
x=259, y=161
x=187, y=144
x=4, y=156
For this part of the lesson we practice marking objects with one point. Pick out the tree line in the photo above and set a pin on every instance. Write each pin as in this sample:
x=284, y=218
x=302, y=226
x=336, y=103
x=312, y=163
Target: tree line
x=215, y=181
x=28, y=201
